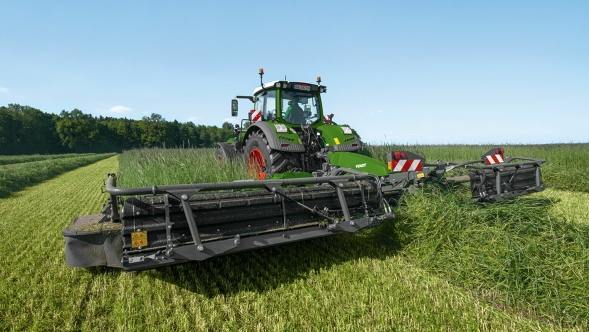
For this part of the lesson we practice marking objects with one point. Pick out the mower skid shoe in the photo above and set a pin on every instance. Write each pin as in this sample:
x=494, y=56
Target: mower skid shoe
x=501, y=183
x=92, y=242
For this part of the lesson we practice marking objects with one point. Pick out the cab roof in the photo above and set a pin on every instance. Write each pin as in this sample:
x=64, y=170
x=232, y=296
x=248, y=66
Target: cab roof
x=291, y=85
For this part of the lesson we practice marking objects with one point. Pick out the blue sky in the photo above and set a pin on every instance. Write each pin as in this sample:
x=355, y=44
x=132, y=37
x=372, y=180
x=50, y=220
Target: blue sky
x=426, y=72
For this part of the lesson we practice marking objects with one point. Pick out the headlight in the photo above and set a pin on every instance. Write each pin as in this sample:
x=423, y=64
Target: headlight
x=347, y=130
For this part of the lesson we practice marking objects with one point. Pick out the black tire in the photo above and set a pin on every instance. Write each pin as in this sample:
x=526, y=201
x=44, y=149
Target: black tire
x=263, y=161
x=225, y=152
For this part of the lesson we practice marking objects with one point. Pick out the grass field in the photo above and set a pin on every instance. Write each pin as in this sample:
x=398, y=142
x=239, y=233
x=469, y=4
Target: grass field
x=443, y=264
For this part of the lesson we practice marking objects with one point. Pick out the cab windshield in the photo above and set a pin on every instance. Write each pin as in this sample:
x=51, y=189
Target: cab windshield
x=299, y=107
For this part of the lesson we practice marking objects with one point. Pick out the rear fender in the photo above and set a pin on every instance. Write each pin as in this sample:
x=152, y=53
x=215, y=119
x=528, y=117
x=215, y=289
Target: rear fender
x=288, y=141
x=337, y=140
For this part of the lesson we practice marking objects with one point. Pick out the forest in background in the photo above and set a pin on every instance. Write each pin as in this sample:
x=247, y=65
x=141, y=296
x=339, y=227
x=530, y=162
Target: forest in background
x=27, y=130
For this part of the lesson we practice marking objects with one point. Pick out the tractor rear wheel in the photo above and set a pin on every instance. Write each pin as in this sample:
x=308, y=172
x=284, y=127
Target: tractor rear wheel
x=262, y=161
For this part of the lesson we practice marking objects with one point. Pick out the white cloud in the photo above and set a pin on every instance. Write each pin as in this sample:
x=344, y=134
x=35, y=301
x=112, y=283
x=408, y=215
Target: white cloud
x=193, y=118
x=379, y=111
x=119, y=109
x=3, y=90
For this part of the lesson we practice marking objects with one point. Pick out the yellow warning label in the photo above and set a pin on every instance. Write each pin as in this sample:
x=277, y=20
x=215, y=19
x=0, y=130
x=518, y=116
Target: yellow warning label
x=420, y=175
x=139, y=239
x=336, y=141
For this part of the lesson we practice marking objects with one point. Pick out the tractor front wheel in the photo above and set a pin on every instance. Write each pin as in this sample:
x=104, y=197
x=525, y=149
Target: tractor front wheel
x=225, y=152
x=262, y=161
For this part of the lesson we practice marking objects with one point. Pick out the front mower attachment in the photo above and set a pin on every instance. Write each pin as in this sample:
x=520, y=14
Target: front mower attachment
x=496, y=178
x=144, y=228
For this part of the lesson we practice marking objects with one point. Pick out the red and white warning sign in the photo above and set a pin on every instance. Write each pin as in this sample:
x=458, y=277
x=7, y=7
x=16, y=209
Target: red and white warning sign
x=494, y=159
x=256, y=115
x=406, y=165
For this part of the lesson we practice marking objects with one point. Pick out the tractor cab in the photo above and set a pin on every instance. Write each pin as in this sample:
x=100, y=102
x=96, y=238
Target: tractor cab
x=291, y=103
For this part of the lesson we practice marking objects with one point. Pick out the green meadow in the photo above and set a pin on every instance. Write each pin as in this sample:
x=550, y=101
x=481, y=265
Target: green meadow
x=445, y=263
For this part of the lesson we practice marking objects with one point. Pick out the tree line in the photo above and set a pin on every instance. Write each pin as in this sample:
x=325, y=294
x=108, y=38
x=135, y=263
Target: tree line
x=27, y=130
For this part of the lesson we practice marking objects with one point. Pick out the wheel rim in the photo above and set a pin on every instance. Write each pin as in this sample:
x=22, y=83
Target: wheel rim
x=256, y=163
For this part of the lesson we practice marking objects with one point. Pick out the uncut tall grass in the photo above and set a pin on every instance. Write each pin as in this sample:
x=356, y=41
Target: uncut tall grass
x=565, y=167
x=520, y=255
x=147, y=167
x=515, y=254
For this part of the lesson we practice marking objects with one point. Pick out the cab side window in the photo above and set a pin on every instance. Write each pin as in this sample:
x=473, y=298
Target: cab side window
x=266, y=103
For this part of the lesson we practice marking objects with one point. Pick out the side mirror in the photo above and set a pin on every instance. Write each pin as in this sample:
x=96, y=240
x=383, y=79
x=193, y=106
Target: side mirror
x=234, y=107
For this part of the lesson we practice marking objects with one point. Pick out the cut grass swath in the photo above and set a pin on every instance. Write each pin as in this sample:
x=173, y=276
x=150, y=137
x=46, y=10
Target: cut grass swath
x=7, y=160
x=16, y=177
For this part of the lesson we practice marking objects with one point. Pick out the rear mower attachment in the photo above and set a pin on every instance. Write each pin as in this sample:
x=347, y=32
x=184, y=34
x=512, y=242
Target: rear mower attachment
x=495, y=177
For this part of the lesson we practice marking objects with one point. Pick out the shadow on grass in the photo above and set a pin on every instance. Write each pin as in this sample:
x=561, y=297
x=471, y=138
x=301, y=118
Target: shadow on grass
x=266, y=269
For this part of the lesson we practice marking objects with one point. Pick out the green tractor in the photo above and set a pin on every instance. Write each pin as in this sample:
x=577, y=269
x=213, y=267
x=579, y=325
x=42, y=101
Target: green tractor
x=311, y=182
x=287, y=131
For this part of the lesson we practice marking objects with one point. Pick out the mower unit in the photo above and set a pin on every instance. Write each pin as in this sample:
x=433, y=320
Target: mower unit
x=174, y=224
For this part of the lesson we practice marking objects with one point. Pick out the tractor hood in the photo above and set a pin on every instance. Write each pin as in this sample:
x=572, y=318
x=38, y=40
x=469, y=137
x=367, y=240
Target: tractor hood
x=339, y=138
x=358, y=162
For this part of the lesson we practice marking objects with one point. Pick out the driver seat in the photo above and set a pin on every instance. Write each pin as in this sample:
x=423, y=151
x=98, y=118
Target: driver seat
x=296, y=116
